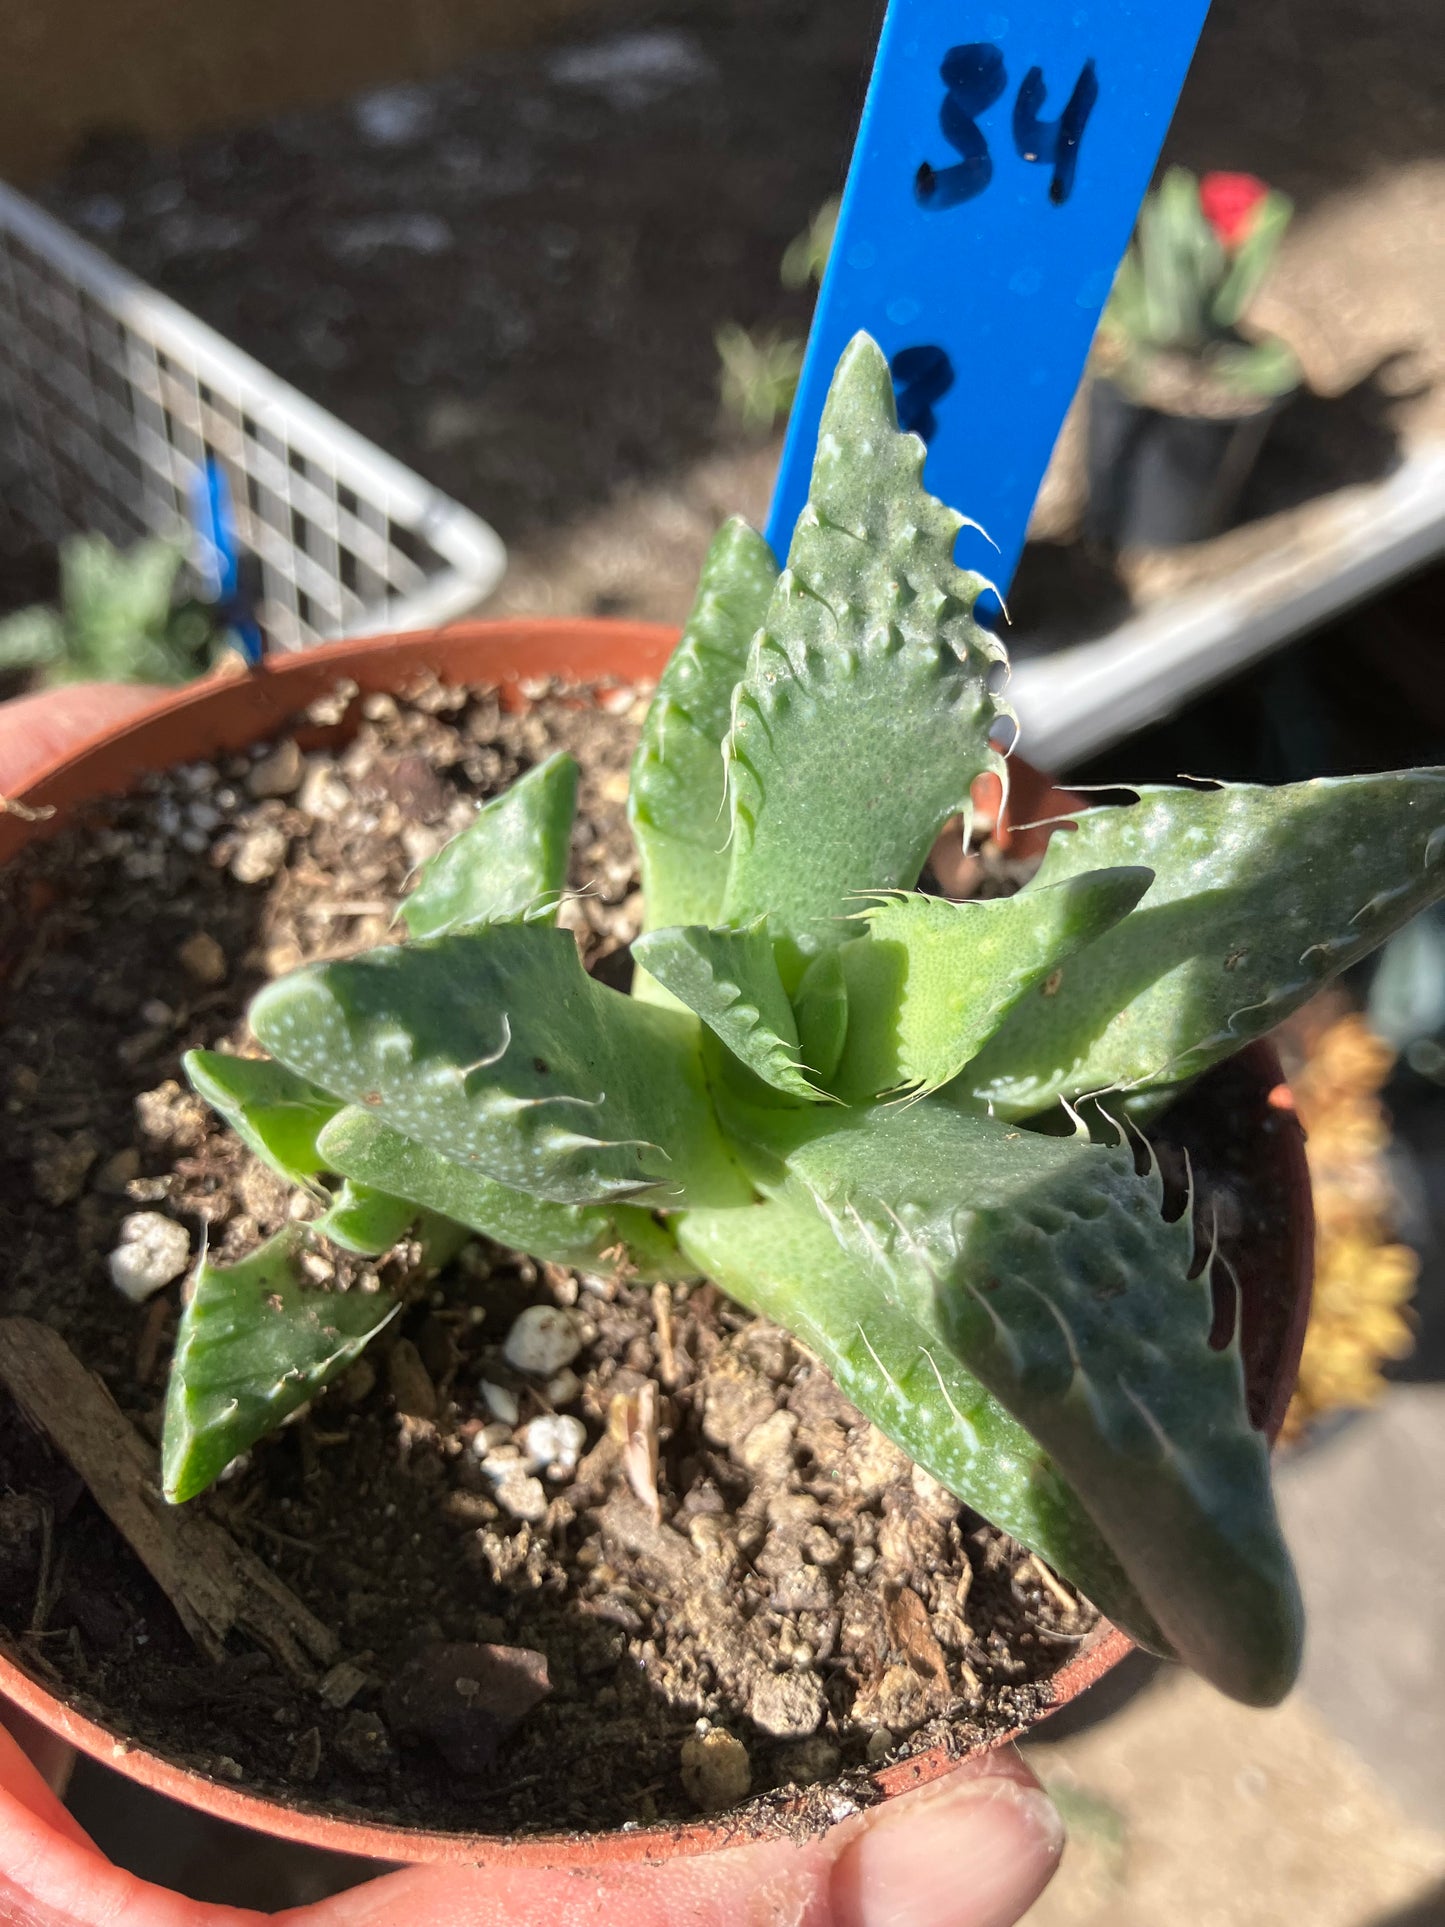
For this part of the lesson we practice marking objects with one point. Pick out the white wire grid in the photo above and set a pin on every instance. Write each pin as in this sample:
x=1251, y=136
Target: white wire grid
x=111, y=399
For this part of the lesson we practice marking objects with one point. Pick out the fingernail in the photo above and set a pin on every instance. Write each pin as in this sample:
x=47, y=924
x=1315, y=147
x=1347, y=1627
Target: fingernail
x=971, y=1853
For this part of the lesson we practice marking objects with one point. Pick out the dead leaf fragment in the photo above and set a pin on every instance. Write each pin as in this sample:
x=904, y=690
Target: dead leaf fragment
x=632, y=1422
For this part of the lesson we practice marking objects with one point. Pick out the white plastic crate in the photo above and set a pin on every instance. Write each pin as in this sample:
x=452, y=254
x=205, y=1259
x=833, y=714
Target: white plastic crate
x=112, y=397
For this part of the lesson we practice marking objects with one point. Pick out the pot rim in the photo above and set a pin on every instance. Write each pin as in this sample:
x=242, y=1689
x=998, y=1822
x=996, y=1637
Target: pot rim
x=224, y=714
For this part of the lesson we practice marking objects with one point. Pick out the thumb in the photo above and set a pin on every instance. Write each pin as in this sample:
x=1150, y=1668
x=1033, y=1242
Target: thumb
x=974, y=1850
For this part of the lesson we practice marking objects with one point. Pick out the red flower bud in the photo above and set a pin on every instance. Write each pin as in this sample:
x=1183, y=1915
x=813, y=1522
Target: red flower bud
x=1228, y=202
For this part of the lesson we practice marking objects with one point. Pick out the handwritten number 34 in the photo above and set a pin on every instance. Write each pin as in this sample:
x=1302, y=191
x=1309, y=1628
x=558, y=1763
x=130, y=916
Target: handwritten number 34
x=974, y=77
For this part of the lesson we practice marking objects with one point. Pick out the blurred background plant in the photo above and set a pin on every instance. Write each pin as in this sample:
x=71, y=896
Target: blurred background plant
x=759, y=375
x=760, y=369
x=123, y=616
x=1407, y=995
x=1200, y=253
x=1364, y=1278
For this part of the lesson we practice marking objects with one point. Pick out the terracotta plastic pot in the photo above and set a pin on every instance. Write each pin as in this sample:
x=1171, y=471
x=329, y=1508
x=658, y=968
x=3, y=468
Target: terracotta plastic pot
x=218, y=716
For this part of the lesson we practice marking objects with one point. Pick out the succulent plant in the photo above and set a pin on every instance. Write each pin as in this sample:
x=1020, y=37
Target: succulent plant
x=1198, y=258
x=850, y=1104
x=758, y=369
x=119, y=619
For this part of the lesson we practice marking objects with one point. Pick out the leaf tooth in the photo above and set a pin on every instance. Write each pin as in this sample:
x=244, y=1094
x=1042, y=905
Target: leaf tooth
x=1166, y=1450
x=893, y=1384
x=965, y=1425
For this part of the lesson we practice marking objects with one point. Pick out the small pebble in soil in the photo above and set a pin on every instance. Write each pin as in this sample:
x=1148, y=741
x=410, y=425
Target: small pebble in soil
x=153, y=1250
x=60, y=1165
x=787, y=1705
x=565, y=1388
x=500, y=1401
x=279, y=773
x=259, y=854
x=410, y=1382
x=323, y=792
x=203, y=959
x=513, y=1487
x=465, y=1699
x=555, y=1440
x=364, y=1743
x=543, y=1339
x=115, y=1176
x=716, y=1771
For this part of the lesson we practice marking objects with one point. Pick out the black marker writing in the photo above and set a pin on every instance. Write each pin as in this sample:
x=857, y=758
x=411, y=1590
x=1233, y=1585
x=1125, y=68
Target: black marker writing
x=974, y=76
x=1054, y=142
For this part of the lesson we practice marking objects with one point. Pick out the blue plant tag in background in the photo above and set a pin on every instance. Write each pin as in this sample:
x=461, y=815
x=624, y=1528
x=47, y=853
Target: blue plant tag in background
x=998, y=170
x=220, y=562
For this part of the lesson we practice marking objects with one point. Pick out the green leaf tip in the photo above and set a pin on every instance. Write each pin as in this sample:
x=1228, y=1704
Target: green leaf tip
x=821, y=1007
x=275, y=1113
x=932, y=980
x=730, y=979
x=256, y=1341
x=609, y=1239
x=1046, y=1264
x=508, y=865
x=1260, y=897
x=782, y=1261
x=868, y=664
x=364, y=1221
x=676, y=799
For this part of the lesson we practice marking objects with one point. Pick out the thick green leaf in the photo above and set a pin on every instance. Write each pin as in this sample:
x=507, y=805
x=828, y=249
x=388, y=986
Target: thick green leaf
x=275, y=1113
x=782, y=1261
x=1260, y=897
x=1047, y=1267
x=494, y=1047
x=865, y=712
x=365, y=1221
x=730, y=979
x=821, y=1006
x=933, y=980
x=1252, y=259
x=677, y=798
x=256, y=1340
x=510, y=864
x=1267, y=367
x=599, y=1238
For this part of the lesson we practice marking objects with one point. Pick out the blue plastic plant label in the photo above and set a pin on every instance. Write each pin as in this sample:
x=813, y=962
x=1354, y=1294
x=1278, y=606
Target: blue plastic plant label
x=998, y=170
x=221, y=563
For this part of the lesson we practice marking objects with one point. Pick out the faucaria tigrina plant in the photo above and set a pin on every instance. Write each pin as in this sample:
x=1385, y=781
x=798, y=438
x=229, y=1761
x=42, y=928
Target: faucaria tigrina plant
x=842, y=1100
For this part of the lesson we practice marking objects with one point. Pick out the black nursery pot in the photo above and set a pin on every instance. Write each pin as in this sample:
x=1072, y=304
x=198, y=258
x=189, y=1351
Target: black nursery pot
x=1158, y=480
